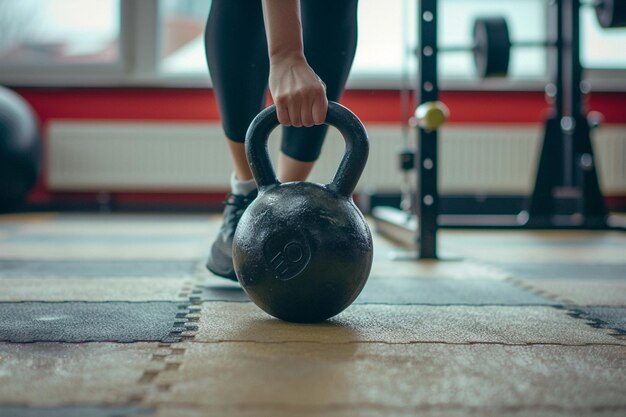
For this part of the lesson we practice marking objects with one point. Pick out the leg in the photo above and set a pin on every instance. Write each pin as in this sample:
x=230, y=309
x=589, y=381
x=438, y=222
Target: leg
x=290, y=169
x=330, y=35
x=240, y=160
x=236, y=52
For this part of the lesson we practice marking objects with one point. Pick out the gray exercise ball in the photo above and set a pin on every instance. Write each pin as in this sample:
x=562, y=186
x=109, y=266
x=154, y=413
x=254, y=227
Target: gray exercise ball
x=20, y=150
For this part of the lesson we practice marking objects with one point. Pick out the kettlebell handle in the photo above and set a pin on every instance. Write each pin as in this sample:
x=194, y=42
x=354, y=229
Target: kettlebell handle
x=350, y=167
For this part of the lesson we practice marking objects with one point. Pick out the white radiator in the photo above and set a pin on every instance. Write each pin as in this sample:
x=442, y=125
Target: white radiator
x=187, y=156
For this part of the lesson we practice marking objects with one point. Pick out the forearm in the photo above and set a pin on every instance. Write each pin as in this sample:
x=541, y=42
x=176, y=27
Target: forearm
x=283, y=28
x=299, y=94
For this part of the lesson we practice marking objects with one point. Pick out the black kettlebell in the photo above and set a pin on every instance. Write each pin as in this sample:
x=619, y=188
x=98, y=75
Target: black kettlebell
x=303, y=251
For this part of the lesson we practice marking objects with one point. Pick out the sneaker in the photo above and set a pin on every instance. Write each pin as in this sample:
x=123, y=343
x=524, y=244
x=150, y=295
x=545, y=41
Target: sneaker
x=220, y=260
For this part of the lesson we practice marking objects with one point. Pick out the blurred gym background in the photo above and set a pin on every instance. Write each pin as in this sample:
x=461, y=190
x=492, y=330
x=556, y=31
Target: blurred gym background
x=121, y=94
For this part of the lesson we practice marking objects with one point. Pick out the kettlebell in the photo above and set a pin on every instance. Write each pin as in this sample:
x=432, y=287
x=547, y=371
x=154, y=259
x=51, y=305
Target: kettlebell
x=303, y=251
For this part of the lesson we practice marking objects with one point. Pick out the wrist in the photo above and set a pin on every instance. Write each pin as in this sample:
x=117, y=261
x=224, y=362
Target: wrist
x=290, y=55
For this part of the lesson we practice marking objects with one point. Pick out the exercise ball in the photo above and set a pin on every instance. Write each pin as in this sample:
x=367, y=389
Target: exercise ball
x=20, y=150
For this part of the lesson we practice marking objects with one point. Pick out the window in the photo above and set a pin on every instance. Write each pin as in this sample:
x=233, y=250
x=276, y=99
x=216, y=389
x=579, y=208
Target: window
x=182, y=36
x=601, y=48
x=388, y=35
x=526, y=20
x=161, y=42
x=59, y=32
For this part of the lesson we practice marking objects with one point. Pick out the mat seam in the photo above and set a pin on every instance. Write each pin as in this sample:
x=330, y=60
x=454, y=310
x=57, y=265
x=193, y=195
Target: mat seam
x=571, y=308
x=170, y=357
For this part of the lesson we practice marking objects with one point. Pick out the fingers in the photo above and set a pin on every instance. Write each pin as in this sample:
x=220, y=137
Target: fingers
x=306, y=114
x=315, y=111
x=282, y=111
x=294, y=109
x=302, y=109
x=289, y=110
x=319, y=110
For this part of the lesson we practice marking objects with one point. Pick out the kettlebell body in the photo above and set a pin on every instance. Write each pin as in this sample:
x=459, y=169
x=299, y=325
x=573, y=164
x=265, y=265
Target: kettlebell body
x=303, y=251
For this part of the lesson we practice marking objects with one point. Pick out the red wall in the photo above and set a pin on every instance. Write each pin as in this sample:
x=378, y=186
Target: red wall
x=372, y=106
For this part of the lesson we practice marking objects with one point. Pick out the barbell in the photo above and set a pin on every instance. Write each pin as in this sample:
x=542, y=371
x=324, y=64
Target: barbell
x=611, y=13
x=491, y=48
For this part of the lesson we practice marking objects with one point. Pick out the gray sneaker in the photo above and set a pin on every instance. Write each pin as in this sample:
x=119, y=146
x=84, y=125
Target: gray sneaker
x=220, y=260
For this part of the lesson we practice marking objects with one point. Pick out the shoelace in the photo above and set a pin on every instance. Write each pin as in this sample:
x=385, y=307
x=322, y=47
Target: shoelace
x=240, y=202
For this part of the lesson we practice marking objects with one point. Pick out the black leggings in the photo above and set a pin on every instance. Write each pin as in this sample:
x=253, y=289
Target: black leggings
x=236, y=52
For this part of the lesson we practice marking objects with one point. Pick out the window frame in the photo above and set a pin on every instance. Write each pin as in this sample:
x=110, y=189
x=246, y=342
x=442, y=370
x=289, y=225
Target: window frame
x=138, y=66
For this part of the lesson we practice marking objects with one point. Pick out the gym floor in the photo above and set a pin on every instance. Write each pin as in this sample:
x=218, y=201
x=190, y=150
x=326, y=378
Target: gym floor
x=115, y=315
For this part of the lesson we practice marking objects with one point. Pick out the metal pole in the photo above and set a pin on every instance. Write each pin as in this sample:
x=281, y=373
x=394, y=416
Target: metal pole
x=568, y=121
x=580, y=157
x=428, y=204
x=567, y=172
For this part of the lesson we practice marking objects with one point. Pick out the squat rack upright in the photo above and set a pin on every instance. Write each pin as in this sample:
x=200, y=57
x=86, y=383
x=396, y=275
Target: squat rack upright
x=427, y=205
x=566, y=192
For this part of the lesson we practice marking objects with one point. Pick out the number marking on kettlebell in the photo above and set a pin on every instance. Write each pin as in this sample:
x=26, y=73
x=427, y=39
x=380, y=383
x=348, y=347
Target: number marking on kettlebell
x=287, y=254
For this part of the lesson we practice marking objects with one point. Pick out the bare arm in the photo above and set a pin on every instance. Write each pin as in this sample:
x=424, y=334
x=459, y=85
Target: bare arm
x=299, y=94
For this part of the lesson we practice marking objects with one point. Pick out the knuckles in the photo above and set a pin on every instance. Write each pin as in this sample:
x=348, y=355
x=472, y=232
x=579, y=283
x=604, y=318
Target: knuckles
x=281, y=100
x=298, y=99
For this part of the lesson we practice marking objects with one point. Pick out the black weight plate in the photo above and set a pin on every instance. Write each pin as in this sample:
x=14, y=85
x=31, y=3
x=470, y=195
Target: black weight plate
x=492, y=47
x=611, y=13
